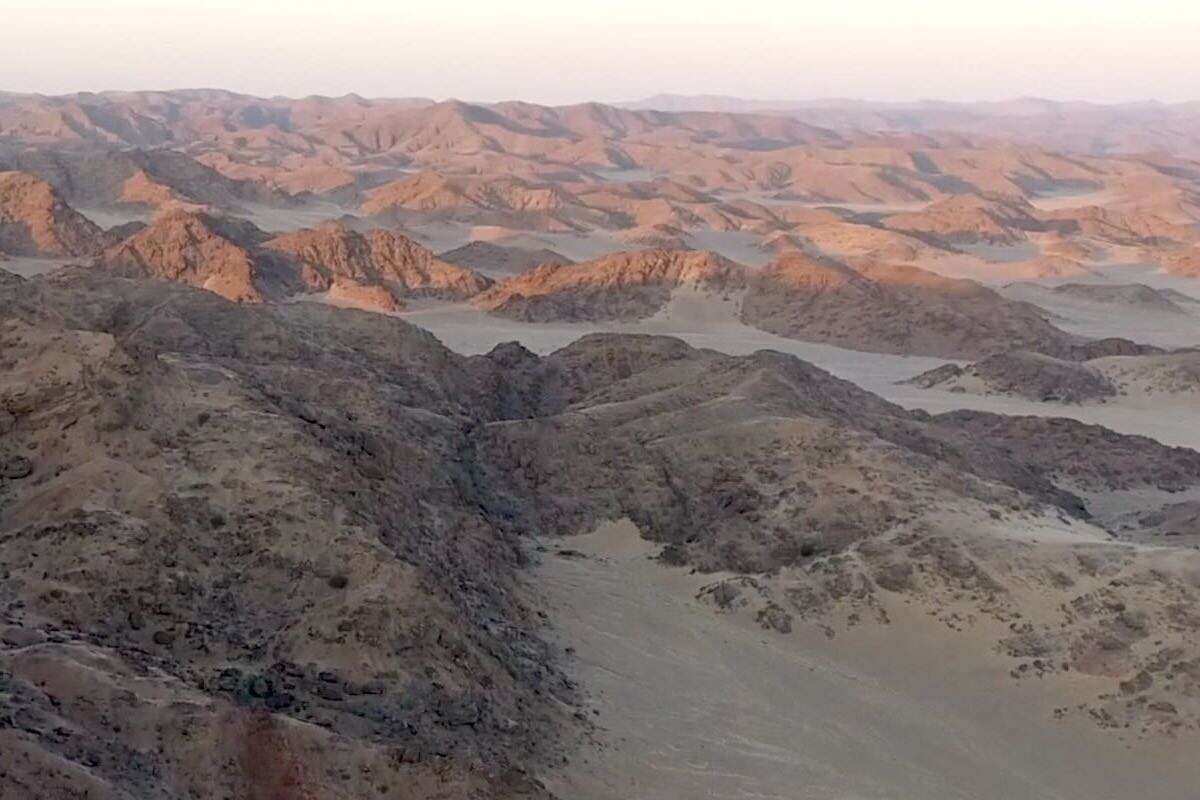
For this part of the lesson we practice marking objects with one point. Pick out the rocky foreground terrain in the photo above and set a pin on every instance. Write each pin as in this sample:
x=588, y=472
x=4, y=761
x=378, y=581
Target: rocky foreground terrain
x=280, y=550
x=257, y=543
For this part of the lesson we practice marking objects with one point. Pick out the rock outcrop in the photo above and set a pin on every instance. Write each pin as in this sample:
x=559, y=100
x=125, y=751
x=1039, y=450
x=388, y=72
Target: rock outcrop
x=233, y=258
x=623, y=286
x=35, y=221
x=332, y=254
x=190, y=247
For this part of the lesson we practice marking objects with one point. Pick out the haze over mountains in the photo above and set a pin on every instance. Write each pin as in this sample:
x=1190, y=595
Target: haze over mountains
x=1069, y=126
x=397, y=448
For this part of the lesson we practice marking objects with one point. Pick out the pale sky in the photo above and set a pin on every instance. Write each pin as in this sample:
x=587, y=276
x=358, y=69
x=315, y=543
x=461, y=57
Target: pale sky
x=569, y=50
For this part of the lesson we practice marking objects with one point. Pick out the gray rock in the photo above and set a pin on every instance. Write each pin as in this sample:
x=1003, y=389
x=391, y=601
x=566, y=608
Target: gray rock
x=15, y=468
x=21, y=637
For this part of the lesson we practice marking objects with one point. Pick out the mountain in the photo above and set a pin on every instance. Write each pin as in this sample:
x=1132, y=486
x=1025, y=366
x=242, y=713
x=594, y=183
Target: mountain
x=235, y=259
x=500, y=260
x=198, y=553
x=332, y=254
x=193, y=248
x=35, y=221
x=1134, y=295
x=1079, y=127
x=849, y=239
x=620, y=286
x=1022, y=374
x=153, y=179
x=1137, y=227
x=893, y=309
x=295, y=541
x=970, y=219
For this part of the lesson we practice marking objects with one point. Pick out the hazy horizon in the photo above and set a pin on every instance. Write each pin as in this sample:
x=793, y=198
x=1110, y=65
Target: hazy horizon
x=765, y=102
x=553, y=53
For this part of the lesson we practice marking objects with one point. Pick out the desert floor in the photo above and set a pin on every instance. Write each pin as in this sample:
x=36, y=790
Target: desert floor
x=700, y=704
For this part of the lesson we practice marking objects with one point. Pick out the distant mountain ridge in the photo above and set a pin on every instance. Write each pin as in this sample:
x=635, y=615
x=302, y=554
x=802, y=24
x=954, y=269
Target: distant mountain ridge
x=1071, y=126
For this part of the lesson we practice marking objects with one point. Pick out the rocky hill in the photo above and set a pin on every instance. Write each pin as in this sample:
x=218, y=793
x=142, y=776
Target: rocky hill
x=497, y=260
x=287, y=539
x=621, y=286
x=893, y=309
x=1092, y=372
x=333, y=253
x=147, y=179
x=250, y=531
x=970, y=219
x=499, y=201
x=1021, y=374
x=35, y=221
x=193, y=248
x=233, y=258
x=1134, y=295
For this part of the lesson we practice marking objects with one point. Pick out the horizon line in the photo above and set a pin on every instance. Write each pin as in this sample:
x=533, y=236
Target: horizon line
x=767, y=104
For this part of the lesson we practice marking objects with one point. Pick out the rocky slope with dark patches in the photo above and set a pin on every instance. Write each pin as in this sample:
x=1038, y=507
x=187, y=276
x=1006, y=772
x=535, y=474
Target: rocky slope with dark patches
x=893, y=309
x=500, y=260
x=1078, y=455
x=261, y=549
x=243, y=553
x=738, y=462
x=1021, y=374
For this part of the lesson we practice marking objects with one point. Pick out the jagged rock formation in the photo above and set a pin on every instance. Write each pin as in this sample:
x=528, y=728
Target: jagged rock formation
x=233, y=258
x=621, y=286
x=893, y=309
x=333, y=254
x=34, y=221
x=189, y=247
